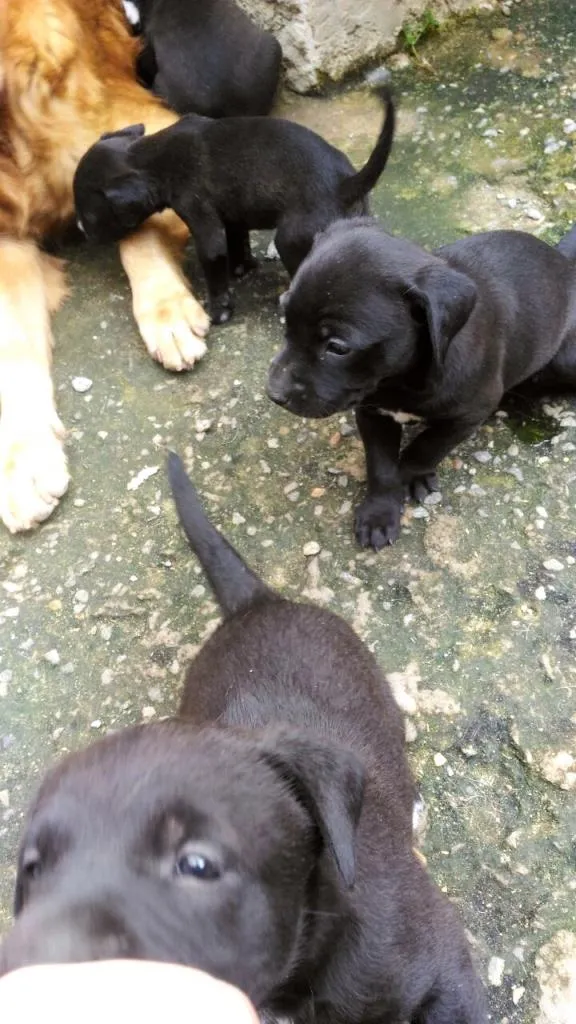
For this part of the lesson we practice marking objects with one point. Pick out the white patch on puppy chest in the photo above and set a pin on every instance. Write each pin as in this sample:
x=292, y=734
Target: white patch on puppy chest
x=401, y=417
x=131, y=11
x=81, y=226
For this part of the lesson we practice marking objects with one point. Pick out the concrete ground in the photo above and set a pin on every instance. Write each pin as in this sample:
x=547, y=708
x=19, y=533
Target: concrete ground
x=473, y=611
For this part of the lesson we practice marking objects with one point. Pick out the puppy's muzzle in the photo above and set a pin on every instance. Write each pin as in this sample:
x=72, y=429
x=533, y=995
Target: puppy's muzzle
x=282, y=388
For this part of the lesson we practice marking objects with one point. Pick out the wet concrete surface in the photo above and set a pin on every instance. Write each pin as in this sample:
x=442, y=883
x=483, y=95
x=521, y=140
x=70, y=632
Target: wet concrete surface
x=473, y=611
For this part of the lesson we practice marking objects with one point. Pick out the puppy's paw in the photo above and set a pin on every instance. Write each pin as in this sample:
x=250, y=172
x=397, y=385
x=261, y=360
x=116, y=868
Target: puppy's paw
x=420, y=485
x=173, y=328
x=33, y=469
x=221, y=309
x=377, y=520
x=245, y=267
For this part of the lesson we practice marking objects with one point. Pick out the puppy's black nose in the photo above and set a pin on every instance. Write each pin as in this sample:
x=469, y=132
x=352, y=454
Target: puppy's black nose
x=277, y=397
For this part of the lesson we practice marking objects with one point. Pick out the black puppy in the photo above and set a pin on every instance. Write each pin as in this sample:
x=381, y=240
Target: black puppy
x=266, y=836
x=224, y=178
x=206, y=56
x=377, y=324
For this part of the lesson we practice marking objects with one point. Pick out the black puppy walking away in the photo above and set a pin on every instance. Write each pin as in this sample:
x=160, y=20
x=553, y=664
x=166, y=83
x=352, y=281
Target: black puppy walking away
x=265, y=836
x=225, y=178
x=377, y=324
x=207, y=57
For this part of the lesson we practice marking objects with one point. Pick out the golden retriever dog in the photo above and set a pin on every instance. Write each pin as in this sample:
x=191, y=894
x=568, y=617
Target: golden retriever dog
x=66, y=76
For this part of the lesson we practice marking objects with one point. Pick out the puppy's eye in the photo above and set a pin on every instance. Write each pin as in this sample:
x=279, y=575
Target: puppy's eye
x=31, y=864
x=196, y=865
x=337, y=347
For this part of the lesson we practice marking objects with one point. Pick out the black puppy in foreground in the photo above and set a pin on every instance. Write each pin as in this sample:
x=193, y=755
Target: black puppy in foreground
x=264, y=836
x=377, y=324
x=206, y=56
x=225, y=178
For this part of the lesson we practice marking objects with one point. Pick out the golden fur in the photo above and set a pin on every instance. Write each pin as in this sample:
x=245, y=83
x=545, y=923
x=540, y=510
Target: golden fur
x=67, y=76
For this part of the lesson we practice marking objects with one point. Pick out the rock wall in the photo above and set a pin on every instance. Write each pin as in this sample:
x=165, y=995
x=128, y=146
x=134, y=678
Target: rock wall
x=326, y=39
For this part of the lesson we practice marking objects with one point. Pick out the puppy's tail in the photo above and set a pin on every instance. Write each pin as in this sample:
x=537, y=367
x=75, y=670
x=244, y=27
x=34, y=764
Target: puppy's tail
x=357, y=186
x=235, y=585
x=567, y=244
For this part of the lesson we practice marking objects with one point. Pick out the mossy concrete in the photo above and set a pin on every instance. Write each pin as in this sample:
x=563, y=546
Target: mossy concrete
x=473, y=610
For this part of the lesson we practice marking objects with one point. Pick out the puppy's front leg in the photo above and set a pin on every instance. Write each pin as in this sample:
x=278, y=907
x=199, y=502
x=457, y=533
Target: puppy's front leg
x=209, y=235
x=240, y=258
x=422, y=456
x=171, y=321
x=377, y=520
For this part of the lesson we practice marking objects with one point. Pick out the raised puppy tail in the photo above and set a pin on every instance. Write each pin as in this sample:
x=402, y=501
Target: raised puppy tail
x=357, y=186
x=235, y=586
x=567, y=244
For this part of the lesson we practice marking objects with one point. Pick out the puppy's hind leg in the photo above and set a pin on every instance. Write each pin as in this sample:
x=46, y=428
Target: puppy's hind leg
x=294, y=238
x=458, y=1000
x=33, y=471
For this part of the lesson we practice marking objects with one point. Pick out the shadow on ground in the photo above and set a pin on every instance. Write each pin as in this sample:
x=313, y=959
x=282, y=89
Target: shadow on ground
x=474, y=610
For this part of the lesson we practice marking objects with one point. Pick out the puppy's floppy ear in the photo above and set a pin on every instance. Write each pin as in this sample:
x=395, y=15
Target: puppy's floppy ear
x=445, y=298
x=129, y=197
x=329, y=781
x=133, y=131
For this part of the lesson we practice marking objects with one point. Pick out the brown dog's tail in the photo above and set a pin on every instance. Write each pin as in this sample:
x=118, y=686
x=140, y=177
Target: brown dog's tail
x=235, y=586
x=567, y=244
x=357, y=186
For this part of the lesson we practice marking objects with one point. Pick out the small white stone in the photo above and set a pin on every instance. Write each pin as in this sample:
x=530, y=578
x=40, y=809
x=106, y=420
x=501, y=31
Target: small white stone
x=81, y=384
x=4, y=798
x=96, y=723
x=496, y=971
x=433, y=499
x=201, y=426
x=148, y=712
x=420, y=512
x=540, y=594
x=439, y=760
x=482, y=456
x=238, y=519
x=52, y=657
x=106, y=677
x=311, y=548
x=541, y=511
x=513, y=450
x=517, y=993
x=81, y=596
x=553, y=565
x=534, y=214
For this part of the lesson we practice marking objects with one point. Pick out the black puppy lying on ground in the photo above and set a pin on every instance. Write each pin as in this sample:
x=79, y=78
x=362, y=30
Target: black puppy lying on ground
x=206, y=56
x=265, y=836
x=225, y=178
x=377, y=324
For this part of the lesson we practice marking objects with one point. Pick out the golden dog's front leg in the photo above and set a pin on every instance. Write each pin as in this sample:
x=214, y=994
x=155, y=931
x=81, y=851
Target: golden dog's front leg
x=172, y=322
x=33, y=471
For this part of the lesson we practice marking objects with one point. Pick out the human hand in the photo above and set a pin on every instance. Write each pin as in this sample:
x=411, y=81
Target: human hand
x=114, y=991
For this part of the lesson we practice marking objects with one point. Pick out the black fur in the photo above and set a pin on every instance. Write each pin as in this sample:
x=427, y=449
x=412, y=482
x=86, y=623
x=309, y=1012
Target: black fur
x=265, y=836
x=208, y=57
x=225, y=178
x=375, y=323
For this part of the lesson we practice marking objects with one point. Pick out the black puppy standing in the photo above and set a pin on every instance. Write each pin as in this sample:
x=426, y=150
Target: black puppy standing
x=377, y=324
x=265, y=836
x=206, y=56
x=225, y=178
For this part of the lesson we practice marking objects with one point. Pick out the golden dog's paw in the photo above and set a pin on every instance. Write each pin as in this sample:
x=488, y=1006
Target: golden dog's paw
x=33, y=471
x=173, y=328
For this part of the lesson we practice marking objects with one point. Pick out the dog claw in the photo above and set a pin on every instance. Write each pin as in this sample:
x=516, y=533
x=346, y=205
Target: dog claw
x=421, y=485
x=377, y=521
